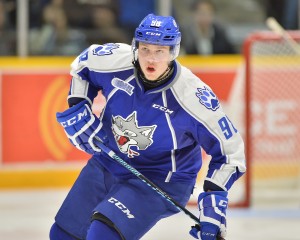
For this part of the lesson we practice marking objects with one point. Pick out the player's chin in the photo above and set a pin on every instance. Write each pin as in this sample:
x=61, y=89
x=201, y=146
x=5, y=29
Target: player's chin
x=151, y=76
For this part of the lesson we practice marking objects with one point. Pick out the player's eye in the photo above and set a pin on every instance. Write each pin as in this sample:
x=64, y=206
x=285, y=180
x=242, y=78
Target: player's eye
x=144, y=50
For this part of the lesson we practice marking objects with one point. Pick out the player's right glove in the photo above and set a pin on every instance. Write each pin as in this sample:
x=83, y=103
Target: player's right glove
x=82, y=126
x=212, y=206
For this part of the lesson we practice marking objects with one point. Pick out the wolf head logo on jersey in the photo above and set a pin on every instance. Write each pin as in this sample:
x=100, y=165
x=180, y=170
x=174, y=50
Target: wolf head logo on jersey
x=105, y=49
x=208, y=98
x=128, y=134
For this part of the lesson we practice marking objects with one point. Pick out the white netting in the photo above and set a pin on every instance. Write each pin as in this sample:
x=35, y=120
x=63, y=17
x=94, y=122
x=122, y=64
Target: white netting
x=274, y=82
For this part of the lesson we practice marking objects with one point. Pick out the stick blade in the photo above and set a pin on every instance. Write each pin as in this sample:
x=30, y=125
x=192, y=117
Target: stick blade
x=272, y=23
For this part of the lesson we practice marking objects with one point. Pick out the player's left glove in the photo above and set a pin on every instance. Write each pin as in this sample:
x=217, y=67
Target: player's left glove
x=212, y=206
x=82, y=126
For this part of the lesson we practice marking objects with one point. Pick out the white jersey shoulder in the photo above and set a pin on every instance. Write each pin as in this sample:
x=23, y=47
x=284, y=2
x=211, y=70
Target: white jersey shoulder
x=108, y=57
x=196, y=97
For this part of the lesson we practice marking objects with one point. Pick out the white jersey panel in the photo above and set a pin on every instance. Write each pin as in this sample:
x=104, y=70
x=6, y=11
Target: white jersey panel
x=98, y=58
x=185, y=91
x=114, y=57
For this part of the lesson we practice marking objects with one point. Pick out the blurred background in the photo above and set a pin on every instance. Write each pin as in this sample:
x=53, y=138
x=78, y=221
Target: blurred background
x=253, y=70
x=65, y=27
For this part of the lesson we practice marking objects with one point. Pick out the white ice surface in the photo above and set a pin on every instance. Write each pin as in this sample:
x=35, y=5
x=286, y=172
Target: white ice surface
x=28, y=214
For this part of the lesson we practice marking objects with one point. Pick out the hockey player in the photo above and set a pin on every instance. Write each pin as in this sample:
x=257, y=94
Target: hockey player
x=158, y=116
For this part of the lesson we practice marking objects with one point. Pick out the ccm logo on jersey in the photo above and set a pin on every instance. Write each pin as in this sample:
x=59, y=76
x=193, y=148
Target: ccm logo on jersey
x=121, y=206
x=75, y=119
x=161, y=108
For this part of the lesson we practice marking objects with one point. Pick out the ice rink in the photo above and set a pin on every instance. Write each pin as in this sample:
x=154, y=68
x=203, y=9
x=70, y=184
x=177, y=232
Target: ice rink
x=28, y=214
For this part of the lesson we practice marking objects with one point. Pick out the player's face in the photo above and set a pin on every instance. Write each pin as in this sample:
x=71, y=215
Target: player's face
x=154, y=60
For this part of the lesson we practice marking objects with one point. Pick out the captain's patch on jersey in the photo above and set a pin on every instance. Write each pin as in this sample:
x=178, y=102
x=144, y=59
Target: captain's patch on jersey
x=207, y=98
x=105, y=49
x=129, y=134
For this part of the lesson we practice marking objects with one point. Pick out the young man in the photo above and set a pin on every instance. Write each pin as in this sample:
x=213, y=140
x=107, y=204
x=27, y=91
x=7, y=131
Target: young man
x=158, y=116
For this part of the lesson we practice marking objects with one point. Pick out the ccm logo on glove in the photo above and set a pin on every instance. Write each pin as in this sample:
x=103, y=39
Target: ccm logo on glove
x=82, y=126
x=223, y=203
x=75, y=119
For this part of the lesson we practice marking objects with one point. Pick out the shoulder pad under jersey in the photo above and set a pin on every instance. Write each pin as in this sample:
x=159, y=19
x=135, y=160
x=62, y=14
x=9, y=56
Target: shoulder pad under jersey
x=195, y=96
x=108, y=57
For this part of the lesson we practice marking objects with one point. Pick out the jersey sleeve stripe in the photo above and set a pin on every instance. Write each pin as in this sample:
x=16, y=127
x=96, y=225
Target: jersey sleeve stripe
x=173, y=157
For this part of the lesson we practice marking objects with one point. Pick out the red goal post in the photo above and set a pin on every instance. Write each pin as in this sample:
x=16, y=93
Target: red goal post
x=272, y=126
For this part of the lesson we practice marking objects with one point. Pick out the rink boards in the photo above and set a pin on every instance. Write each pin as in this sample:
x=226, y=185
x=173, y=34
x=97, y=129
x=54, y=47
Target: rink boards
x=34, y=150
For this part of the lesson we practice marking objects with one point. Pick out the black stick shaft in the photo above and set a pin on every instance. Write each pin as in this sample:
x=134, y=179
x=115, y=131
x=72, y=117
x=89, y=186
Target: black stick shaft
x=147, y=181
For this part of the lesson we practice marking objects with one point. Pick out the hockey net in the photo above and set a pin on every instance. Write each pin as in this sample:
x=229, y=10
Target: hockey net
x=273, y=117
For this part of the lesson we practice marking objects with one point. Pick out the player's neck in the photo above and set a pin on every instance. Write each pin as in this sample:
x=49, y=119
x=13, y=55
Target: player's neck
x=162, y=79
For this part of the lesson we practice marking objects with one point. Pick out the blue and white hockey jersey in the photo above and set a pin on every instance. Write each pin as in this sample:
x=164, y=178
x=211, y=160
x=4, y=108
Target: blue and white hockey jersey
x=161, y=131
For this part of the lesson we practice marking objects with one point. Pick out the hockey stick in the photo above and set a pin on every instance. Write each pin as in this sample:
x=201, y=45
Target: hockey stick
x=114, y=156
x=278, y=29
